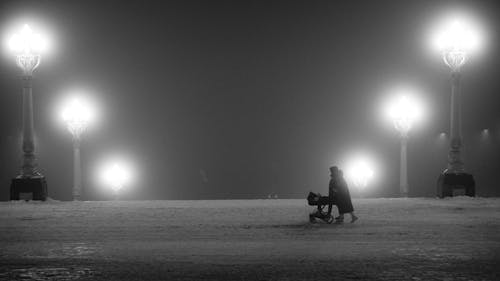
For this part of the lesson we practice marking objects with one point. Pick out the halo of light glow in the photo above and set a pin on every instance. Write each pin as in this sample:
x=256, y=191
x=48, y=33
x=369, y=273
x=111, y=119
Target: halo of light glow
x=28, y=47
x=457, y=33
x=28, y=42
x=77, y=114
x=29, y=35
x=403, y=111
x=359, y=172
x=116, y=175
x=456, y=37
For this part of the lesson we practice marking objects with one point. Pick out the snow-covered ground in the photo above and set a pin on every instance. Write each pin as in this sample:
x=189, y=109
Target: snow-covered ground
x=395, y=239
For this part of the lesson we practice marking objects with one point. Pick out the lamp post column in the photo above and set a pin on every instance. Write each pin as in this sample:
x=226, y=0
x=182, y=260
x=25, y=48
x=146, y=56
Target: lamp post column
x=30, y=180
x=403, y=176
x=29, y=168
x=455, y=160
x=454, y=176
x=77, y=170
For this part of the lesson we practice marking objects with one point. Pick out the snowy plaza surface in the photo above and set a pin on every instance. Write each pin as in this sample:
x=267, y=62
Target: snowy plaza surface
x=395, y=239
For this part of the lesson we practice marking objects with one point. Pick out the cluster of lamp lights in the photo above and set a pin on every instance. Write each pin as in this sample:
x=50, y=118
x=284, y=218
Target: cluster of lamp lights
x=455, y=42
x=77, y=114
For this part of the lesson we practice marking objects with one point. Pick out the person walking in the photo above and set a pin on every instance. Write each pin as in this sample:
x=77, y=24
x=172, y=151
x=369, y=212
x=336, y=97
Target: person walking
x=338, y=189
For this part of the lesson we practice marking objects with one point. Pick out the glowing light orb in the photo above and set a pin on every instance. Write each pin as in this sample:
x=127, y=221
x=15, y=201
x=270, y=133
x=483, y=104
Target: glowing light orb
x=77, y=114
x=457, y=37
x=403, y=112
x=359, y=172
x=485, y=134
x=442, y=137
x=28, y=48
x=28, y=42
x=116, y=175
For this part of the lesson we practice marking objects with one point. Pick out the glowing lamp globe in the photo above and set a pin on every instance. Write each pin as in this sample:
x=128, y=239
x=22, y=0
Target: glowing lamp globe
x=28, y=42
x=77, y=114
x=359, y=173
x=403, y=112
x=456, y=39
x=116, y=176
x=28, y=48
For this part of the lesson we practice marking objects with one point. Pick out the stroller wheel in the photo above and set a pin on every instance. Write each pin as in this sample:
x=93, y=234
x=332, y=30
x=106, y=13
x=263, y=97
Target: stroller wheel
x=330, y=219
x=312, y=219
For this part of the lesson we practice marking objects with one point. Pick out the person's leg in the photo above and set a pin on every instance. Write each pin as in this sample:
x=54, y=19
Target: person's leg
x=353, y=217
x=340, y=218
x=331, y=202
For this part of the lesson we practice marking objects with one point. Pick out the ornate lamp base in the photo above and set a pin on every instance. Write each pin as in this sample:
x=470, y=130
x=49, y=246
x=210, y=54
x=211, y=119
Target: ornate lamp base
x=37, y=186
x=447, y=182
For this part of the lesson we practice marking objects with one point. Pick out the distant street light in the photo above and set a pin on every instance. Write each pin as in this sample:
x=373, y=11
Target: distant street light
x=403, y=112
x=455, y=41
x=77, y=116
x=27, y=47
x=441, y=140
x=116, y=175
x=359, y=173
x=485, y=133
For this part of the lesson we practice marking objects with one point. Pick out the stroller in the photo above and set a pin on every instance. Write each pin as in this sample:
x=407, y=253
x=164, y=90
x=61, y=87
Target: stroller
x=315, y=199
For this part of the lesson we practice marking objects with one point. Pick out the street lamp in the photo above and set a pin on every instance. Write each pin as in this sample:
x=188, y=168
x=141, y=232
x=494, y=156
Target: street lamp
x=27, y=47
x=359, y=173
x=116, y=175
x=403, y=112
x=455, y=41
x=77, y=116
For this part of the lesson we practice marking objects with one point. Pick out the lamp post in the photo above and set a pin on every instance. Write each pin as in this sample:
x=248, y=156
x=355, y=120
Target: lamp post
x=403, y=112
x=27, y=47
x=77, y=115
x=455, y=42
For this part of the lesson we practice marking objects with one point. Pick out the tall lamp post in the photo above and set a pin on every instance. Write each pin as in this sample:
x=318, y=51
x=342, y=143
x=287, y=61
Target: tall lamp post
x=455, y=42
x=27, y=47
x=403, y=113
x=77, y=115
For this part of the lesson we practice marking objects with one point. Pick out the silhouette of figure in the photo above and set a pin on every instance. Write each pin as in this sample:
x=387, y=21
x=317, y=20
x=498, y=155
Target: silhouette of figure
x=339, y=192
x=329, y=200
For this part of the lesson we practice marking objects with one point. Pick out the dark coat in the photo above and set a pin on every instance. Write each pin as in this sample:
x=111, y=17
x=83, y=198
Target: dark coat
x=338, y=189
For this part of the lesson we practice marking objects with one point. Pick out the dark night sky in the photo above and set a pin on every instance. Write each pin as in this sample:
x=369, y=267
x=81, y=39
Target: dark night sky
x=262, y=95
